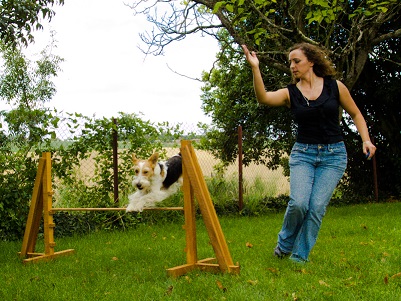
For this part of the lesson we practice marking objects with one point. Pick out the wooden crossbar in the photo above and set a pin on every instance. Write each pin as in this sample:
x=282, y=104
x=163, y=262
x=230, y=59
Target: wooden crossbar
x=116, y=209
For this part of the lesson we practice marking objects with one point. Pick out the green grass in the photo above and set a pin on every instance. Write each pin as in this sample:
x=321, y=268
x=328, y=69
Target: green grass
x=357, y=257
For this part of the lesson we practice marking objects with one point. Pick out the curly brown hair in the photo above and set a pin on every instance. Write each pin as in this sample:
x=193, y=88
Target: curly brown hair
x=322, y=65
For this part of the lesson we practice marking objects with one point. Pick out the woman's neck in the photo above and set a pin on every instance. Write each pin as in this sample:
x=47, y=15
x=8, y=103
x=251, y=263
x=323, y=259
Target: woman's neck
x=309, y=81
x=311, y=86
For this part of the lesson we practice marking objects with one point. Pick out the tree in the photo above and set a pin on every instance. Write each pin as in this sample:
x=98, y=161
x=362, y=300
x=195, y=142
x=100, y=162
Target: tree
x=347, y=29
x=18, y=18
x=24, y=130
x=352, y=33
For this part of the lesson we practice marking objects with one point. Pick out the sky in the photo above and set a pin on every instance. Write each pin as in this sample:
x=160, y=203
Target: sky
x=105, y=72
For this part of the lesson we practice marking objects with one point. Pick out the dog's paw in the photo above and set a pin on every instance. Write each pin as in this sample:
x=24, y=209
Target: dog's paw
x=134, y=207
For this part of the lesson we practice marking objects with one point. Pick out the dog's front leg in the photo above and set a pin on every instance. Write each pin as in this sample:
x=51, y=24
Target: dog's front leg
x=136, y=203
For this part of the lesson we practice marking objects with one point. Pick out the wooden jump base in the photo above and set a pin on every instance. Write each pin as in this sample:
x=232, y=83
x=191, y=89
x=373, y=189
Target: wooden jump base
x=194, y=186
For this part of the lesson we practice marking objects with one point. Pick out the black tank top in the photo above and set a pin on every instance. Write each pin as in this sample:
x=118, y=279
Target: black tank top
x=318, y=120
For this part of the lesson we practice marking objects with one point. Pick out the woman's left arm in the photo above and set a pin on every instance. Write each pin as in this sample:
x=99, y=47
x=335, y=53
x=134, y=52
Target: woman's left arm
x=351, y=108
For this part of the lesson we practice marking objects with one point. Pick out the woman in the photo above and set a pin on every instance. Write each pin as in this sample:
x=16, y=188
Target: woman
x=318, y=158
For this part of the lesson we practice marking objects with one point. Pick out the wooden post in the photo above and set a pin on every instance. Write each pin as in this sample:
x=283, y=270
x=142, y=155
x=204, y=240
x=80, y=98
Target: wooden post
x=190, y=220
x=48, y=224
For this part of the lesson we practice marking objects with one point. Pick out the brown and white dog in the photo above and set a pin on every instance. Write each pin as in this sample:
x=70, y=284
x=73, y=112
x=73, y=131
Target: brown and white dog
x=154, y=181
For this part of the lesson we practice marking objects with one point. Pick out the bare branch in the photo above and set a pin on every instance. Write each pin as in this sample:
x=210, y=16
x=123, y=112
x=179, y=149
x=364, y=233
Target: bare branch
x=183, y=75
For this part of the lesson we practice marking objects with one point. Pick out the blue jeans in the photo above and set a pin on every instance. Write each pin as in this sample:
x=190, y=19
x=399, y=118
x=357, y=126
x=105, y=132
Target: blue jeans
x=315, y=170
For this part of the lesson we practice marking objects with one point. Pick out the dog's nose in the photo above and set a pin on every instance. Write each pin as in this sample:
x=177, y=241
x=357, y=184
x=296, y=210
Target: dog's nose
x=139, y=186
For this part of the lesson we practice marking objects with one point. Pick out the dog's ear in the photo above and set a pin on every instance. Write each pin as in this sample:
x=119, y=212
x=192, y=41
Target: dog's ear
x=134, y=159
x=153, y=158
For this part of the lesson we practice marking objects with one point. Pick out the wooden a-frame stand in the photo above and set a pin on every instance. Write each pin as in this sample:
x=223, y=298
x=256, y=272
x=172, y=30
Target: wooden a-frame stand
x=194, y=185
x=41, y=203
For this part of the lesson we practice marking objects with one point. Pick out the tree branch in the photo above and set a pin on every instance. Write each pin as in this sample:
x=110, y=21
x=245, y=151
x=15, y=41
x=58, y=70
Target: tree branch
x=386, y=36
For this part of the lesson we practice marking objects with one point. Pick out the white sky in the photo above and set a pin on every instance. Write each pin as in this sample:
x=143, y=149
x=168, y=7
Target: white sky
x=104, y=72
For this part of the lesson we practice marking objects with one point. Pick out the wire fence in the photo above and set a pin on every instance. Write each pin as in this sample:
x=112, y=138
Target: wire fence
x=273, y=180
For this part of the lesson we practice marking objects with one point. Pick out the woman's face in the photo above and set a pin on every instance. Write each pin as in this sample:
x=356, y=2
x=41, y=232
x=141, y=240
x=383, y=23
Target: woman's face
x=299, y=63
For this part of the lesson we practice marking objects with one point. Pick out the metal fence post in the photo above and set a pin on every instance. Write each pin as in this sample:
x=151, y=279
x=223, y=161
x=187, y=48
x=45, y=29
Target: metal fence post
x=374, y=162
x=115, y=160
x=240, y=176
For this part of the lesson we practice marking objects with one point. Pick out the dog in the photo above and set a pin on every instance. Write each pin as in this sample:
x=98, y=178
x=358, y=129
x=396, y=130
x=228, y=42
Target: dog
x=154, y=181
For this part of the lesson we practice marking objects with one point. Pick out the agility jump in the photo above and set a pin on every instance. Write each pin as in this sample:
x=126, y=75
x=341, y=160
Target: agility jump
x=194, y=186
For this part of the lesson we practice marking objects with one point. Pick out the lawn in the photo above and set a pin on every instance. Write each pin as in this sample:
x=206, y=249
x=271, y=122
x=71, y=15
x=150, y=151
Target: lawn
x=357, y=257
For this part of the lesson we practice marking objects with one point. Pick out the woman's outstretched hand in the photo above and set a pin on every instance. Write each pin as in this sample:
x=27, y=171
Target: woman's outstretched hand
x=250, y=56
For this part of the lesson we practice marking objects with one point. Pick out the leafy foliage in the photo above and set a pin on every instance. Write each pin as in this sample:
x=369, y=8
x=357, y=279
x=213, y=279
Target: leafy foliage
x=377, y=94
x=94, y=140
x=24, y=131
x=18, y=18
x=229, y=99
x=348, y=30
x=20, y=158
